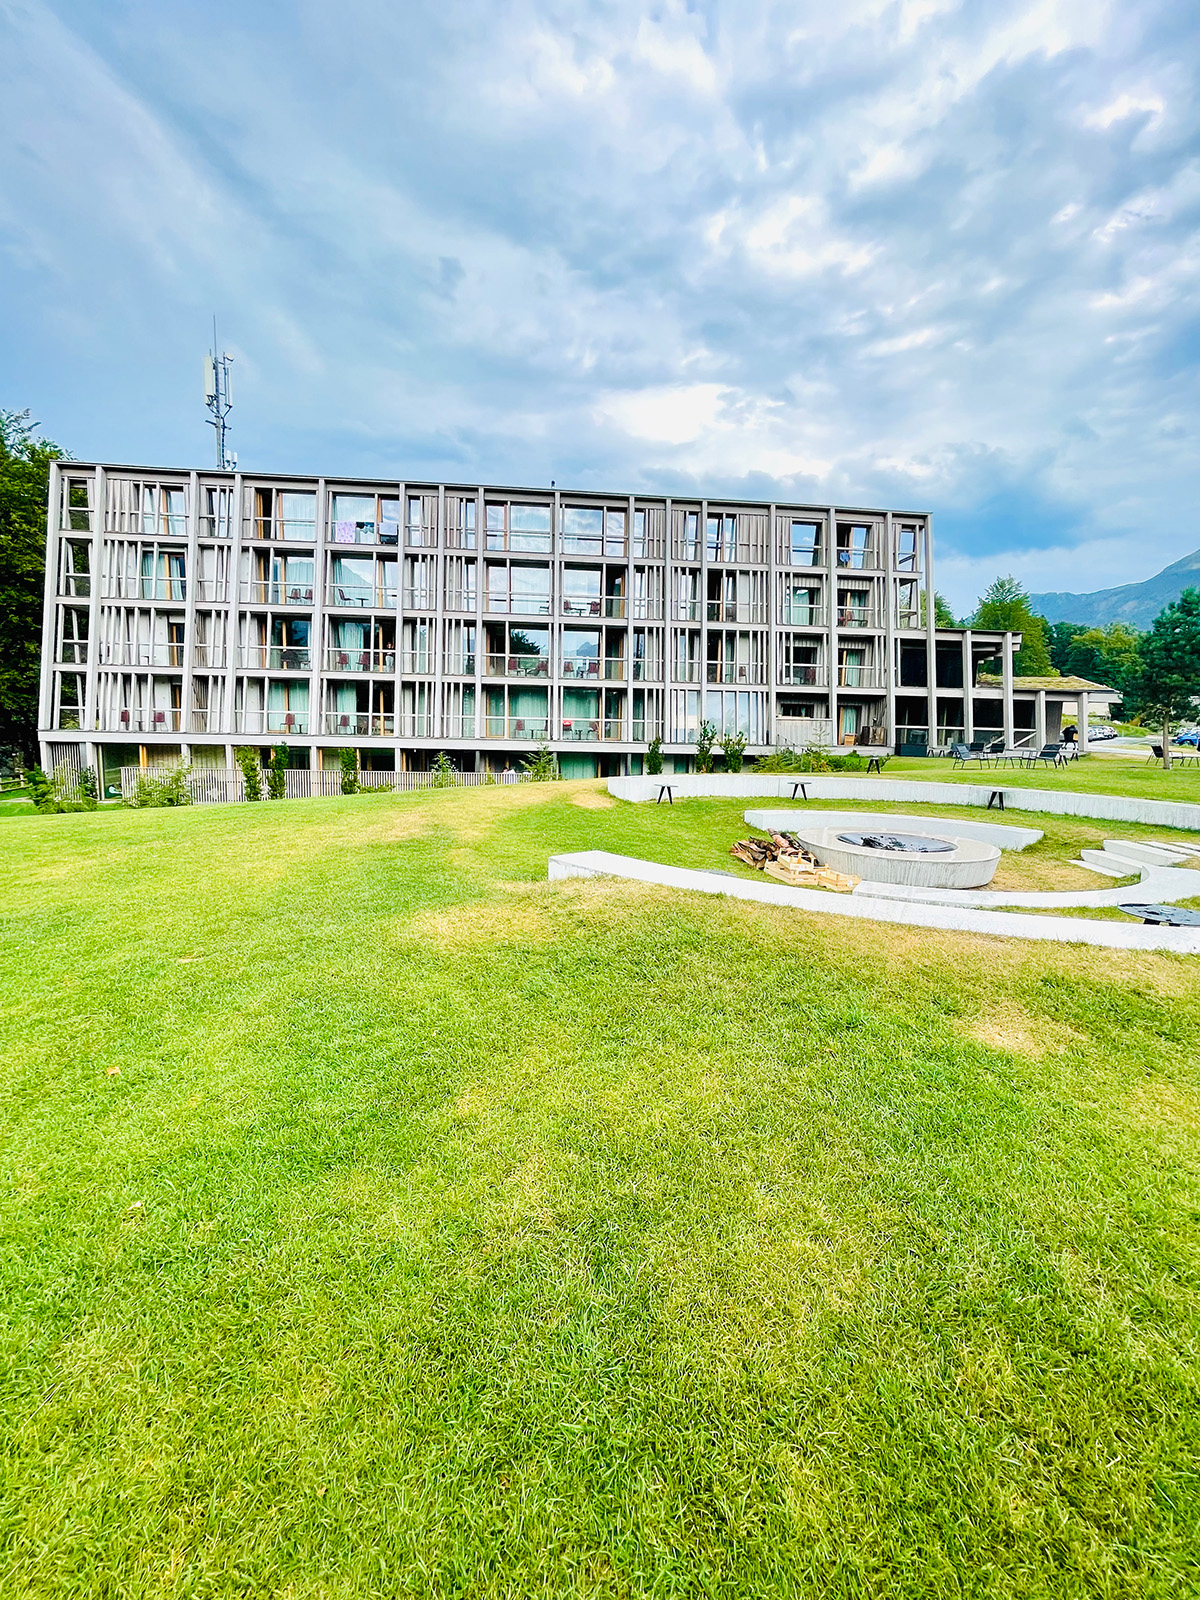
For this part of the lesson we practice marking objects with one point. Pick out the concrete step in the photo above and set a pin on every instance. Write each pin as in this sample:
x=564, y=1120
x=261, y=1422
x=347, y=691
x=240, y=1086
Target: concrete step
x=1112, y=865
x=1155, y=855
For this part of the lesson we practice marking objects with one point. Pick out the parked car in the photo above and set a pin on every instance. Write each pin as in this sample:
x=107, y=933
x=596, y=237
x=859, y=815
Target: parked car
x=1101, y=732
x=1188, y=736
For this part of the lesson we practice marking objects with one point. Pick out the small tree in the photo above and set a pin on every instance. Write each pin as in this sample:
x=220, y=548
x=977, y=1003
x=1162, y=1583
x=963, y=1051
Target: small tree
x=1168, y=684
x=654, y=757
x=348, y=761
x=247, y=759
x=89, y=786
x=42, y=787
x=542, y=766
x=277, y=773
x=445, y=773
x=734, y=747
x=706, y=737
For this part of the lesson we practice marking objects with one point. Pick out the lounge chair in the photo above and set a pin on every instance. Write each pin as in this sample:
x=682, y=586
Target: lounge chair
x=1051, y=754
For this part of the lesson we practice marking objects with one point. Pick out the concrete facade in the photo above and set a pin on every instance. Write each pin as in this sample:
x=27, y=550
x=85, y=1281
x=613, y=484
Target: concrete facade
x=188, y=612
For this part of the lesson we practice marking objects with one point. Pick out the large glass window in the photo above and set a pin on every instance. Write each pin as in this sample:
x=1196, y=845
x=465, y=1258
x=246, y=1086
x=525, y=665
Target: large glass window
x=805, y=544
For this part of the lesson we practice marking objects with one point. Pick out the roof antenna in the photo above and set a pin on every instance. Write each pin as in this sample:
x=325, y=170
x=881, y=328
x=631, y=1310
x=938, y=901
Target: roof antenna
x=218, y=397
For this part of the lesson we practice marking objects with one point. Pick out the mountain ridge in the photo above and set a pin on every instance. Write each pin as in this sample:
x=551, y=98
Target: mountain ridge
x=1134, y=603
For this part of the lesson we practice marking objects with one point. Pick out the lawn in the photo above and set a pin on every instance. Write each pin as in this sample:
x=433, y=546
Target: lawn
x=380, y=1220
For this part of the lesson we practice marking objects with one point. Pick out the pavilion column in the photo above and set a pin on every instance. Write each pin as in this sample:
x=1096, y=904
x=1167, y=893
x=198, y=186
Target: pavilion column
x=1081, y=719
x=1040, y=714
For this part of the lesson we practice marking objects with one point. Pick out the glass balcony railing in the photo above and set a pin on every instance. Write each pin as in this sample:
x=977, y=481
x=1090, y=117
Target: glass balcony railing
x=275, y=658
x=515, y=727
x=805, y=673
x=594, y=669
x=271, y=721
x=360, y=596
x=360, y=724
x=735, y=672
x=278, y=592
x=518, y=666
x=345, y=659
x=648, y=671
x=133, y=719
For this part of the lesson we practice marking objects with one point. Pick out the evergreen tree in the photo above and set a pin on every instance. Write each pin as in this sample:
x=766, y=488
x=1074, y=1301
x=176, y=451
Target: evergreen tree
x=1005, y=608
x=24, y=482
x=1168, y=683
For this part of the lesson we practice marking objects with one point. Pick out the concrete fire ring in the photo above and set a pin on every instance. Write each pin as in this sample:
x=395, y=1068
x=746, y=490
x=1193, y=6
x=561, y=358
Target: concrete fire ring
x=956, y=864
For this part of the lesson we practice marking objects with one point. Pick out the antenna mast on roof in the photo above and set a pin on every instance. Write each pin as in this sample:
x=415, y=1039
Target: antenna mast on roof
x=218, y=397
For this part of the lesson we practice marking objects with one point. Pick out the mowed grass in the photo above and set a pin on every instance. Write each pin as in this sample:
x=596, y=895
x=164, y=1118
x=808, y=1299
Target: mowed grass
x=381, y=1220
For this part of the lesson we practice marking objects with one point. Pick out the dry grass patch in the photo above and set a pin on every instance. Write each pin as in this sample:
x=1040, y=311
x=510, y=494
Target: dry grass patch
x=522, y=921
x=593, y=800
x=1021, y=1034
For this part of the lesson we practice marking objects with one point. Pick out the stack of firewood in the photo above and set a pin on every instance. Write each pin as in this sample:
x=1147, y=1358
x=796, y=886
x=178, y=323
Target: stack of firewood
x=779, y=847
x=782, y=856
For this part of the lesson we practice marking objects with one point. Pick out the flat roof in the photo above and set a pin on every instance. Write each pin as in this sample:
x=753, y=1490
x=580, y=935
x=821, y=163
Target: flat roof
x=219, y=473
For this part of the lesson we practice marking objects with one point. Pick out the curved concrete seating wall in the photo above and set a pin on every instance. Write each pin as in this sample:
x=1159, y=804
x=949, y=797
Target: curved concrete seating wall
x=840, y=786
x=771, y=819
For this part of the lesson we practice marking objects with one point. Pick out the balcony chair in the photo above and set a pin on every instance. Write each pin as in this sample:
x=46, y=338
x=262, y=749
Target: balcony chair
x=1051, y=754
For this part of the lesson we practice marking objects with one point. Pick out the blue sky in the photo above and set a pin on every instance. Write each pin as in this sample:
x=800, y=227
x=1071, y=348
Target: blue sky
x=925, y=254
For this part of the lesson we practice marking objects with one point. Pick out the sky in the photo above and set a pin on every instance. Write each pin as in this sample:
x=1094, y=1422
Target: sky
x=925, y=255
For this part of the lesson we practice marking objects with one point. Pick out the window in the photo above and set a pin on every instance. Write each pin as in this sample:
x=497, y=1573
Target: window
x=216, y=520
x=804, y=547
x=788, y=705
x=721, y=540
x=520, y=528
x=853, y=544
x=907, y=538
x=365, y=519
x=687, y=535
x=800, y=604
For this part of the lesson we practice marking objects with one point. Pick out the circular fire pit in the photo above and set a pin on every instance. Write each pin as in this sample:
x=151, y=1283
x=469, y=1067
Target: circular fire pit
x=926, y=860
x=920, y=844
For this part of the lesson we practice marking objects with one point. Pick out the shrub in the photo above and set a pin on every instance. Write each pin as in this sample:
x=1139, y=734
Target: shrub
x=542, y=766
x=277, y=773
x=705, y=739
x=734, y=747
x=445, y=773
x=654, y=760
x=166, y=789
x=89, y=786
x=247, y=759
x=62, y=791
x=348, y=761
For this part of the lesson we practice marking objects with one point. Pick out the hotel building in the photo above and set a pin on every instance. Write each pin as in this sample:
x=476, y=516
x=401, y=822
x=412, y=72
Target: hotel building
x=191, y=612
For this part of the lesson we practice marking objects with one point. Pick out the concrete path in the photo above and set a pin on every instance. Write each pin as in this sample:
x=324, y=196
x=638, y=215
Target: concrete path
x=955, y=918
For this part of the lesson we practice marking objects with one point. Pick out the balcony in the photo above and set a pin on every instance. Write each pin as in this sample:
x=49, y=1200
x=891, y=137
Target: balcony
x=415, y=725
x=348, y=532
x=642, y=730
x=418, y=537
x=131, y=719
x=460, y=666
x=687, y=610
x=461, y=727
x=459, y=600
x=518, y=666
x=361, y=596
x=908, y=619
x=264, y=592
x=808, y=674
x=854, y=677
x=735, y=672
x=360, y=660
x=76, y=585
x=514, y=728
x=578, y=730
x=858, y=617
x=797, y=614
x=646, y=608
x=728, y=611
x=293, y=530
x=271, y=721
x=204, y=719
x=143, y=588
x=208, y=656
x=73, y=652
x=126, y=653
x=210, y=590
x=274, y=658
x=593, y=669
x=604, y=605
x=685, y=672
x=648, y=671
x=417, y=663
x=518, y=605
x=360, y=724
x=208, y=527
